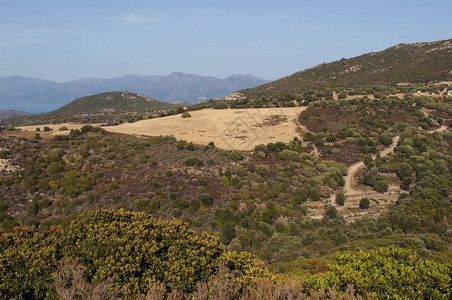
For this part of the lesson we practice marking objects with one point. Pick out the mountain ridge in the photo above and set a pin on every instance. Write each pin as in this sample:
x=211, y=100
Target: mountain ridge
x=176, y=87
x=8, y=113
x=416, y=63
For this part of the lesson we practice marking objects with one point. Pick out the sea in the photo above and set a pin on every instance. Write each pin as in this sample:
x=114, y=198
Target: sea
x=33, y=109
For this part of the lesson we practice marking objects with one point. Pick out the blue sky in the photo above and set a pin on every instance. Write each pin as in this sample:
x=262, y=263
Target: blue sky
x=66, y=40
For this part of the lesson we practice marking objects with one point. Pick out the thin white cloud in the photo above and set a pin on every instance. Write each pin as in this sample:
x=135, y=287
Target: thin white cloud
x=137, y=19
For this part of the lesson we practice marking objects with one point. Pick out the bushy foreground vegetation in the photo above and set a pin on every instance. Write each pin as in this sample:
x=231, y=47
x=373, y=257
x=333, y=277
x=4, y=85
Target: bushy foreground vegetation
x=134, y=249
x=132, y=253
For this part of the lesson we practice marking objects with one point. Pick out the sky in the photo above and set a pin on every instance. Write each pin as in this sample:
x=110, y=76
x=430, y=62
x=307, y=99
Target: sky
x=64, y=40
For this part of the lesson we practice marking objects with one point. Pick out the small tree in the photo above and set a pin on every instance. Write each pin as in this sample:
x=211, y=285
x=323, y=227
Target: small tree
x=186, y=115
x=330, y=212
x=340, y=198
x=364, y=203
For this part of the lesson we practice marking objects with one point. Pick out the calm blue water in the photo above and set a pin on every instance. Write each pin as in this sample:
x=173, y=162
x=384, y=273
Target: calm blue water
x=34, y=109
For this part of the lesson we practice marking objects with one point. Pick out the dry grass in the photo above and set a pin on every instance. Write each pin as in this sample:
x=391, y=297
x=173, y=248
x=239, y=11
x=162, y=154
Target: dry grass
x=239, y=129
x=55, y=127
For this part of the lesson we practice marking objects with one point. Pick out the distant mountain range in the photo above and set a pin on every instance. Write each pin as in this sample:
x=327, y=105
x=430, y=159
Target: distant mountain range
x=177, y=87
x=413, y=63
x=9, y=113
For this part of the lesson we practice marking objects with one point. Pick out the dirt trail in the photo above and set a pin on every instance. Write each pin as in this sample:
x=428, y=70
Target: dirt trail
x=353, y=169
x=349, y=191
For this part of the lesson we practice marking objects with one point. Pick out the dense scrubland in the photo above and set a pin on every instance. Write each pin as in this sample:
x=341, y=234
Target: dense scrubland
x=252, y=202
x=95, y=214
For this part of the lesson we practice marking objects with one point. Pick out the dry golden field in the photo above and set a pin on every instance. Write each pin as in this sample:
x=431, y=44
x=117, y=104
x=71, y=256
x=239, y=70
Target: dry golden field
x=239, y=129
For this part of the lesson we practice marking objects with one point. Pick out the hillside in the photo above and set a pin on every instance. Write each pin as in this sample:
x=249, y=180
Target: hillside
x=111, y=102
x=177, y=87
x=294, y=195
x=9, y=113
x=412, y=63
x=101, y=108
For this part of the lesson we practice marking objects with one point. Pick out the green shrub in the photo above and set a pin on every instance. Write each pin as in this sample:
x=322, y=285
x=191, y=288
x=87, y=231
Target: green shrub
x=262, y=170
x=235, y=155
x=193, y=161
x=220, y=105
x=135, y=249
x=5, y=154
x=86, y=128
x=387, y=273
x=186, y=115
x=340, y=198
x=331, y=212
x=364, y=203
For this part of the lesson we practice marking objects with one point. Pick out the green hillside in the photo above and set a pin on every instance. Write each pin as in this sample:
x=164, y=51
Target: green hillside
x=118, y=102
x=413, y=63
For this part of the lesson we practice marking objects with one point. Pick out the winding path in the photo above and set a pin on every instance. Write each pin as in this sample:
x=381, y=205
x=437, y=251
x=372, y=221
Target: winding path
x=353, y=169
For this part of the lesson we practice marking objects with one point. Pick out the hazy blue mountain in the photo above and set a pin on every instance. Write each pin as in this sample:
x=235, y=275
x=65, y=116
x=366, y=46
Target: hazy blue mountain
x=8, y=113
x=177, y=87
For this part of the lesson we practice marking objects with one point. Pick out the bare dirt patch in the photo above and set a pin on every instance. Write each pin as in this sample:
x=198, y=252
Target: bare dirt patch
x=239, y=129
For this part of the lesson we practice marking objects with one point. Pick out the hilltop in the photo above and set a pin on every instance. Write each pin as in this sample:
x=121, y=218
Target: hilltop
x=404, y=63
x=111, y=102
x=100, y=108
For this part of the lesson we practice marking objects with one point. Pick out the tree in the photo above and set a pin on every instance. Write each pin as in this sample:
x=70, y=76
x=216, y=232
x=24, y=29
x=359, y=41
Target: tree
x=340, y=198
x=330, y=212
x=364, y=203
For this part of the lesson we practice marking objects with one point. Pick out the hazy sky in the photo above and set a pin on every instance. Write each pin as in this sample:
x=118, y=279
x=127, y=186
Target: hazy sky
x=64, y=40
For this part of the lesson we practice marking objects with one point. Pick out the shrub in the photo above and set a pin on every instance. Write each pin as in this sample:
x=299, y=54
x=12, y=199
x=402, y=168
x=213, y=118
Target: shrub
x=220, y=105
x=186, y=115
x=340, y=198
x=260, y=154
x=389, y=273
x=206, y=199
x=190, y=147
x=261, y=148
x=86, y=128
x=235, y=155
x=4, y=154
x=133, y=248
x=193, y=161
x=364, y=203
x=262, y=170
x=330, y=212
